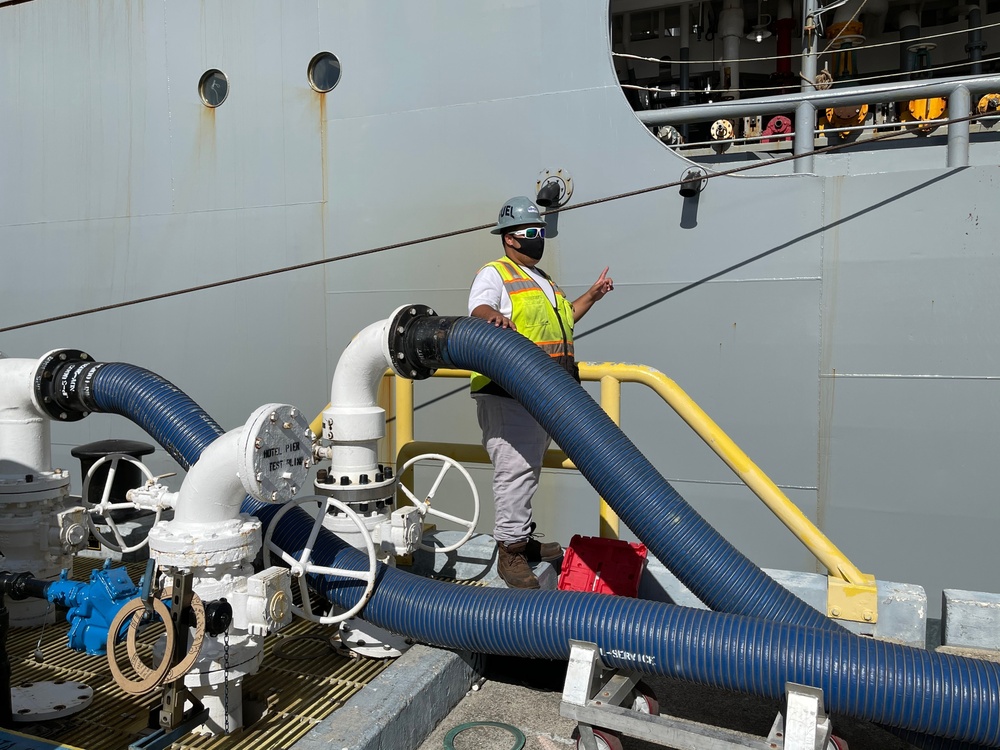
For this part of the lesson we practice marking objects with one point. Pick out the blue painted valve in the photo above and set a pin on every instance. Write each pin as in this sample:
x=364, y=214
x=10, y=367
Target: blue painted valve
x=92, y=606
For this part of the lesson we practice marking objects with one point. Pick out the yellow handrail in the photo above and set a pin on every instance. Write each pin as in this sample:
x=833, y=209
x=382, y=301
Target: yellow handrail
x=407, y=447
x=611, y=375
x=848, y=583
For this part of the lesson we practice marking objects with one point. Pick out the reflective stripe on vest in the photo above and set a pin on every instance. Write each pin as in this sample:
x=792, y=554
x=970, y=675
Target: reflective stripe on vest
x=534, y=316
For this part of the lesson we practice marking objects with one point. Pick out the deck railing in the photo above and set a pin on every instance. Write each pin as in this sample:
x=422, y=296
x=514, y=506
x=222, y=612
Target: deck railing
x=611, y=376
x=957, y=90
x=851, y=594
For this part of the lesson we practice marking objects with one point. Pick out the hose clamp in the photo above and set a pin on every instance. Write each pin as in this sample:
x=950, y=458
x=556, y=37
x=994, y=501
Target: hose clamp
x=63, y=384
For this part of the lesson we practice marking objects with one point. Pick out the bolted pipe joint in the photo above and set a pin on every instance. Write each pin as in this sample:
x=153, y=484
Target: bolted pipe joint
x=63, y=384
x=417, y=336
x=407, y=341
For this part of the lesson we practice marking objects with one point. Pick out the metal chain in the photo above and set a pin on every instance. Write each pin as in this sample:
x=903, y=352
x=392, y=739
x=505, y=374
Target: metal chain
x=225, y=666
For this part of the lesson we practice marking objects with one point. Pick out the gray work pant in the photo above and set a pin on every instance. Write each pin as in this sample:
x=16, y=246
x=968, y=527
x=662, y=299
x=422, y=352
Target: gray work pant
x=516, y=444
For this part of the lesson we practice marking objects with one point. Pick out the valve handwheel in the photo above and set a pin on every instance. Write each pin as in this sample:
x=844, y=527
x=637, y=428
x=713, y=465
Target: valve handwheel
x=425, y=505
x=302, y=566
x=104, y=507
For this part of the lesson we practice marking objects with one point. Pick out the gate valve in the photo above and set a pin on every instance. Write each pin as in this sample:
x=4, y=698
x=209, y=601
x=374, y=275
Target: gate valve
x=424, y=502
x=151, y=496
x=92, y=606
x=272, y=585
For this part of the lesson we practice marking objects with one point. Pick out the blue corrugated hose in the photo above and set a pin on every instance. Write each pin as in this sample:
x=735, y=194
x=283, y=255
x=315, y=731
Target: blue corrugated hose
x=902, y=687
x=711, y=568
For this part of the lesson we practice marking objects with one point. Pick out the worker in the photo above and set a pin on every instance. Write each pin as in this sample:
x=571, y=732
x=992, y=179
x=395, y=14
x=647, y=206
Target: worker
x=513, y=292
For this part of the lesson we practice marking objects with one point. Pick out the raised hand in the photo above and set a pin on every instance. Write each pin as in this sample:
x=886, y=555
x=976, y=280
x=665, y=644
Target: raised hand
x=603, y=285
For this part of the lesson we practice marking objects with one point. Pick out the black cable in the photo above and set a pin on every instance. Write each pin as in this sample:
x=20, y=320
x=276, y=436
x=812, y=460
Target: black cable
x=467, y=230
x=238, y=279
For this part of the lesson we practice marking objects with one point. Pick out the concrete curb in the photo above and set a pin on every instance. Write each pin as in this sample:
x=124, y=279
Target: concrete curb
x=401, y=706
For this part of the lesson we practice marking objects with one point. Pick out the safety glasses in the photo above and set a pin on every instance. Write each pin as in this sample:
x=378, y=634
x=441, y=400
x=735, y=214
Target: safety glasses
x=529, y=233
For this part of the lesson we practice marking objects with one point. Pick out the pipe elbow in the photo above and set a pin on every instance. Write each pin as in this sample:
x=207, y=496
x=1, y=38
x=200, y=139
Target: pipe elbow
x=25, y=431
x=409, y=342
x=212, y=491
x=17, y=389
x=361, y=367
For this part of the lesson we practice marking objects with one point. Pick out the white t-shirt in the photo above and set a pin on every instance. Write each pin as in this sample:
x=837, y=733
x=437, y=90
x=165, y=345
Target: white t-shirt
x=488, y=289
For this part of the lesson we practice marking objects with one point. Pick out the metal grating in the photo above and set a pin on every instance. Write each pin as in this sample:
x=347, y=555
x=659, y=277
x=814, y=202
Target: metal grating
x=302, y=680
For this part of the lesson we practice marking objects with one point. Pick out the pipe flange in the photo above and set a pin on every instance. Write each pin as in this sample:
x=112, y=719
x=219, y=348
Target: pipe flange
x=58, y=377
x=43, y=701
x=401, y=352
x=18, y=487
x=275, y=452
x=349, y=490
x=229, y=543
x=559, y=184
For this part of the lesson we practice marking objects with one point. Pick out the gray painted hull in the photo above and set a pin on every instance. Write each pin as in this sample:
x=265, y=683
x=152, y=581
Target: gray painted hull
x=854, y=358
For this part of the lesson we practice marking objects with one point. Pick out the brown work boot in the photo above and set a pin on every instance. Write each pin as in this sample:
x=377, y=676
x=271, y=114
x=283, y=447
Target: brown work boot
x=513, y=567
x=537, y=551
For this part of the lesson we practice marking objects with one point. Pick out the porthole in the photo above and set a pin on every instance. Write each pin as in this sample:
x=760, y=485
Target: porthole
x=324, y=72
x=213, y=88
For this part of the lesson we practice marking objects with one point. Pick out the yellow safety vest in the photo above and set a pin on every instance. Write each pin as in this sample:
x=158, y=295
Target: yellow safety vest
x=536, y=318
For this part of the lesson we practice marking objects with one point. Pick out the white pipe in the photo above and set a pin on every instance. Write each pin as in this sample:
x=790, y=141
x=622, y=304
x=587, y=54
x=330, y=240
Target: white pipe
x=361, y=367
x=212, y=492
x=354, y=422
x=875, y=13
x=810, y=20
x=25, y=431
x=731, y=29
x=908, y=18
x=847, y=11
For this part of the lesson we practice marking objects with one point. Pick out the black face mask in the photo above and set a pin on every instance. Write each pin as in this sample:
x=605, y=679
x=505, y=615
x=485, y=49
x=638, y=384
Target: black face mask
x=532, y=248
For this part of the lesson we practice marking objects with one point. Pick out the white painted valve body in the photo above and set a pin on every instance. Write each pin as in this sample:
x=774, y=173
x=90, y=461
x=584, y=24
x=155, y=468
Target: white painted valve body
x=352, y=425
x=40, y=526
x=209, y=537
